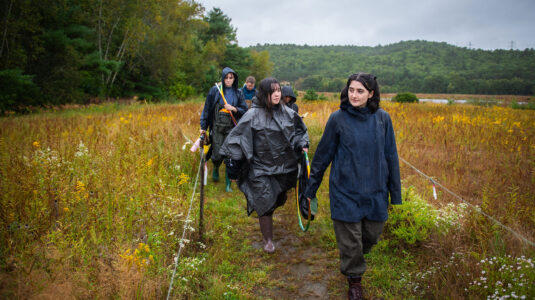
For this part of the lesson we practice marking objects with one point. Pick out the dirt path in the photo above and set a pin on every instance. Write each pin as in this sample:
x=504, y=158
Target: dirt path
x=299, y=268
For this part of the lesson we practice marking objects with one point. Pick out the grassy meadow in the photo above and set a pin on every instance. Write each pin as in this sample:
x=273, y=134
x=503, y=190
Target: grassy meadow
x=94, y=201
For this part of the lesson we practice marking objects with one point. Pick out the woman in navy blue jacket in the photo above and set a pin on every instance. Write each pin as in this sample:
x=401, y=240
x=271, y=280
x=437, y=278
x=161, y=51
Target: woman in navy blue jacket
x=216, y=117
x=359, y=141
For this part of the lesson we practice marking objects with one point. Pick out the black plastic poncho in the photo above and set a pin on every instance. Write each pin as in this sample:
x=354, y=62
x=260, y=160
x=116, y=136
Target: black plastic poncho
x=267, y=147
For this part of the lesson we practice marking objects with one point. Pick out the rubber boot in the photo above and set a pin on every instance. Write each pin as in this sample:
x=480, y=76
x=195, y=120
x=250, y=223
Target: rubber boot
x=266, y=227
x=355, y=289
x=227, y=183
x=215, y=174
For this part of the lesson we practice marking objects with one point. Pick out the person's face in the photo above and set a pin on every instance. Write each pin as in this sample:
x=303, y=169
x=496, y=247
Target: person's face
x=287, y=99
x=358, y=95
x=229, y=79
x=276, y=95
x=249, y=85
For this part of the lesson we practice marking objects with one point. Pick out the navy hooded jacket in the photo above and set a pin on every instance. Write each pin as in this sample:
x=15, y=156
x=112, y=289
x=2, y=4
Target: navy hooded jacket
x=365, y=169
x=287, y=91
x=233, y=95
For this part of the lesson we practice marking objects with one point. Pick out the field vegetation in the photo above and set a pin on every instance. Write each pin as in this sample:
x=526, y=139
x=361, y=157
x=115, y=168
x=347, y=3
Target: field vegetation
x=94, y=202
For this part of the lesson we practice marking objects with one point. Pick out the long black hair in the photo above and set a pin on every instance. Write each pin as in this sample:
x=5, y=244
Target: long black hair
x=265, y=89
x=370, y=83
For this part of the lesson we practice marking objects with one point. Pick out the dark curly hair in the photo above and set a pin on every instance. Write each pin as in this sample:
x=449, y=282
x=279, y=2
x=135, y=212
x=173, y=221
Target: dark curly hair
x=370, y=83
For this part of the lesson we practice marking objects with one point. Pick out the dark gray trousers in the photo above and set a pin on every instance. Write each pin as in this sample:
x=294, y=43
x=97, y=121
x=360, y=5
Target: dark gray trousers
x=354, y=240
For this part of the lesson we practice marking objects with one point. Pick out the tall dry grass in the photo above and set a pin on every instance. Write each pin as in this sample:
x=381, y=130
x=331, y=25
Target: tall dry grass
x=81, y=190
x=93, y=200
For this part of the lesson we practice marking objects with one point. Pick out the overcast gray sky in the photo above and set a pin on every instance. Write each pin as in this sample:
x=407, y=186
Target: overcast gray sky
x=490, y=24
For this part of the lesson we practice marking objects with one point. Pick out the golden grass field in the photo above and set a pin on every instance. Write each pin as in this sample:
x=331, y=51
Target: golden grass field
x=93, y=200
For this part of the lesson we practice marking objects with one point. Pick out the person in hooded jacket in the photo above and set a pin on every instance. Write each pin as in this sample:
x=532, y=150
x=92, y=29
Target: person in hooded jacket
x=217, y=119
x=359, y=141
x=289, y=98
x=267, y=143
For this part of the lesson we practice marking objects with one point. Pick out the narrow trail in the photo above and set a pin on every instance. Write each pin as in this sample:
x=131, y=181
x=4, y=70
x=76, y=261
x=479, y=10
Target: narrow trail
x=300, y=268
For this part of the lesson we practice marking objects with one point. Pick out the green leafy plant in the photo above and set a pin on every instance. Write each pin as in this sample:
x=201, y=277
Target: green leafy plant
x=310, y=95
x=405, y=97
x=412, y=221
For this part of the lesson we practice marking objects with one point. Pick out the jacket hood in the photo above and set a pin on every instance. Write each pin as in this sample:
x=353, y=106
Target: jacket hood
x=361, y=113
x=227, y=70
x=288, y=91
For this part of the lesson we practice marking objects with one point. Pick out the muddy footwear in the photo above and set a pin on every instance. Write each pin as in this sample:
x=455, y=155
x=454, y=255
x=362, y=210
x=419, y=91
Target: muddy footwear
x=227, y=184
x=355, y=289
x=215, y=174
x=266, y=227
x=269, y=247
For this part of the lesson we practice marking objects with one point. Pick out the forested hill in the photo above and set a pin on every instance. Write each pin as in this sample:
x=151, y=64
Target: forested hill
x=416, y=66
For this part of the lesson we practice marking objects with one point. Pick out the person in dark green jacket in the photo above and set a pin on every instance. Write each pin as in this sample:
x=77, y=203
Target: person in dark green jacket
x=360, y=144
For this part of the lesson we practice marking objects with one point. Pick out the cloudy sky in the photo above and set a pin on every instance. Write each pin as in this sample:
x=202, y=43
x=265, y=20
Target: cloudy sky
x=491, y=24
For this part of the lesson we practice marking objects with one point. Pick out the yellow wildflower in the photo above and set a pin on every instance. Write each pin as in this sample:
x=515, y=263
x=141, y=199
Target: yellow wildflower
x=36, y=144
x=65, y=209
x=183, y=179
x=438, y=119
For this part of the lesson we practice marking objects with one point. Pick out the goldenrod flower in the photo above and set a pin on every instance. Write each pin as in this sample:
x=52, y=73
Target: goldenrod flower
x=36, y=144
x=183, y=178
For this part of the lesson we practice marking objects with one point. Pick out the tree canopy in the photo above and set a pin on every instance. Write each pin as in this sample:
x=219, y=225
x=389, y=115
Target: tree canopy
x=417, y=66
x=70, y=51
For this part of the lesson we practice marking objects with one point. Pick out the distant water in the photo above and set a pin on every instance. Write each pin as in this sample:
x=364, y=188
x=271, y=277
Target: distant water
x=442, y=101
x=445, y=101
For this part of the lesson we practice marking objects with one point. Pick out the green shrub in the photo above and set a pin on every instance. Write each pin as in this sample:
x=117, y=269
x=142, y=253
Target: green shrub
x=16, y=90
x=310, y=95
x=322, y=97
x=516, y=105
x=412, y=221
x=405, y=98
x=181, y=91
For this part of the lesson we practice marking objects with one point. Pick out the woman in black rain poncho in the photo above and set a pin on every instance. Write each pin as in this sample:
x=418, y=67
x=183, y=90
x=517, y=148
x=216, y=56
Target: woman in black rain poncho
x=262, y=151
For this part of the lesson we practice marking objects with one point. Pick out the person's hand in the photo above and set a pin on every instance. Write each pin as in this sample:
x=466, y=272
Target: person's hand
x=305, y=150
x=230, y=108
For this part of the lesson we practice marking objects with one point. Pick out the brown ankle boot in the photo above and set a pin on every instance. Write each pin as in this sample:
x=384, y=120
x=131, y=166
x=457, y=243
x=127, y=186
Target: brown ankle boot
x=355, y=289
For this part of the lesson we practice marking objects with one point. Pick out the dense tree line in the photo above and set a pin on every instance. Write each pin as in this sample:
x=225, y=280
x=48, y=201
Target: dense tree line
x=70, y=51
x=416, y=66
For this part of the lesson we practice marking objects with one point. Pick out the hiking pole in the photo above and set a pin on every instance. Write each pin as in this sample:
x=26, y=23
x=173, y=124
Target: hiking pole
x=201, y=213
x=225, y=100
